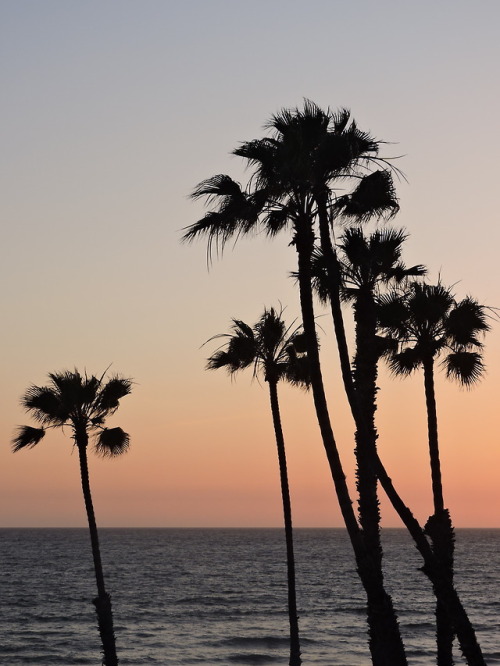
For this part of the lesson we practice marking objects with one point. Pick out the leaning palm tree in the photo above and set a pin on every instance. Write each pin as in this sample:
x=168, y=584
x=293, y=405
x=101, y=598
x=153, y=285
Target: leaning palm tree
x=292, y=187
x=82, y=404
x=274, y=350
x=427, y=322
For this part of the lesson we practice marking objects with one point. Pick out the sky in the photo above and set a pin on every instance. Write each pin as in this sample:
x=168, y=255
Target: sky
x=112, y=112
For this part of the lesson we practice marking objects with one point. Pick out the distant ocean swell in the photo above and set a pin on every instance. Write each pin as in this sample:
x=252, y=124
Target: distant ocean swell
x=207, y=597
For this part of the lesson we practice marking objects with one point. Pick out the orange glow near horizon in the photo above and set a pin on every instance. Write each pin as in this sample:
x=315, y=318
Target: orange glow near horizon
x=111, y=124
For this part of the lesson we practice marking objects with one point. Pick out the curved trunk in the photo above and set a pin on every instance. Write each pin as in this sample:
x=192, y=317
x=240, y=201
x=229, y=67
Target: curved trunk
x=385, y=642
x=102, y=602
x=295, y=659
x=443, y=587
x=439, y=526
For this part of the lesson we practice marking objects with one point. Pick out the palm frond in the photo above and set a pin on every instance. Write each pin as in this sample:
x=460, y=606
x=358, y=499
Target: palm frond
x=276, y=220
x=109, y=396
x=405, y=362
x=215, y=187
x=465, y=367
x=296, y=369
x=112, y=442
x=27, y=437
x=240, y=351
x=393, y=314
x=400, y=273
x=340, y=120
x=45, y=405
x=237, y=213
x=465, y=321
x=374, y=197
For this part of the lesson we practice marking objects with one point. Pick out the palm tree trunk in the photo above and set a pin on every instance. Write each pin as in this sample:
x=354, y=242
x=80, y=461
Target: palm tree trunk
x=439, y=526
x=382, y=617
x=102, y=602
x=295, y=659
x=435, y=570
x=384, y=641
x=365, y=378
x=432, y=428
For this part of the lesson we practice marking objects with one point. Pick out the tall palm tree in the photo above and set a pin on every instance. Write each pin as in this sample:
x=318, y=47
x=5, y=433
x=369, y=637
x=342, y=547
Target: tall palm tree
x=81, y=403
x=275, y=350
x=368, y=264
x=427, y=323
x=286, y=191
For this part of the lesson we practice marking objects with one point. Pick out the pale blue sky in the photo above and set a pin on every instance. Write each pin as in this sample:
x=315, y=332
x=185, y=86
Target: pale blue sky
x=113, y=111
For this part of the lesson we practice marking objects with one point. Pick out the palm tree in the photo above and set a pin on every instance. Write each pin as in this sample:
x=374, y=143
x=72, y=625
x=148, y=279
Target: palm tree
x=367, y=264
x=81, y=403
x=291, y=187
x=275, y=350
x=427, y=323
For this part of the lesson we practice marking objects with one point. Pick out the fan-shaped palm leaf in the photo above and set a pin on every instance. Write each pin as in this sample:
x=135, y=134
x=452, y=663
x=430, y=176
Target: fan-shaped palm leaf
x=112, y=442
x=465, y=321
x=27, y=437
x=45, y=405
x=109, y=396
x=405, y=362
x=374, y=197
x=465, y=367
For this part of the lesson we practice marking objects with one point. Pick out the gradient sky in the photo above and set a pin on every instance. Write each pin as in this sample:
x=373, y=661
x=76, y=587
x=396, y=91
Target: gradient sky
x=112, y=112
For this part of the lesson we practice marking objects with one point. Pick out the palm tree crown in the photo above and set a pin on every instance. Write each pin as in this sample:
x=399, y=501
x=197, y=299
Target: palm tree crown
x=80, y=402
x=427, y=321
x=294, y=169
x=270, y=346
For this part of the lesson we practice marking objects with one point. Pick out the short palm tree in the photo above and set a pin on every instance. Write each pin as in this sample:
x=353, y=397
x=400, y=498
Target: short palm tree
x=275, y=351
x=82, y=404
x=427, y=323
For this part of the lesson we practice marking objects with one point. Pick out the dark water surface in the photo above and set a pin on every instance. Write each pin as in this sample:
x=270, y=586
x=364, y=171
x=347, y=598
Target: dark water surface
x=186, y=597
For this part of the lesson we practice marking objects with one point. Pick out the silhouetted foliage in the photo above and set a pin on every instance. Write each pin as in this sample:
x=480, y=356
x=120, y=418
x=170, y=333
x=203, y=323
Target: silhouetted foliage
x=426, y=322
x=273, y=349
x=82, y=404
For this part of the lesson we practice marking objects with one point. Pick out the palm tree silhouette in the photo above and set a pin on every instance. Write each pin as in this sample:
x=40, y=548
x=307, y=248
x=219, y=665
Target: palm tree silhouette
x=368, y=264
x=427, y=322
x=81, y=403
x=275, y=351
x=292, y=187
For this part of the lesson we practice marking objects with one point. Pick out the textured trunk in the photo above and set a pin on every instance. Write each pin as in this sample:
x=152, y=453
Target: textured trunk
x=295, y=659
x=443, y=587
x=439, y=526
x=436, y=571
x=365, y=378
x=102, y=602
x=385, y=642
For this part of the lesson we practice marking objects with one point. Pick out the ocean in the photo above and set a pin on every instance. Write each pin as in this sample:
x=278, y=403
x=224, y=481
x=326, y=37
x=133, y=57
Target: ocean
x=202, y=597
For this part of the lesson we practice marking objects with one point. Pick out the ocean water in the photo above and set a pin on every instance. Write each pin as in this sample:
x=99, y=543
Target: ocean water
x=191, y=597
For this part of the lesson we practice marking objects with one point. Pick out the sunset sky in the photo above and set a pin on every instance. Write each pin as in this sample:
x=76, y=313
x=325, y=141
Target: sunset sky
x=112, y=112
